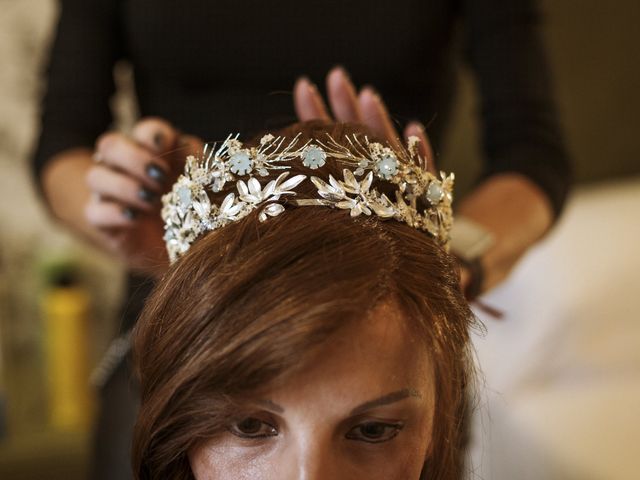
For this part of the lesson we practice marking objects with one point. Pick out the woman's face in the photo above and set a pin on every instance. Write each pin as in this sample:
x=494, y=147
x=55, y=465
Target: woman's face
x=362, y=408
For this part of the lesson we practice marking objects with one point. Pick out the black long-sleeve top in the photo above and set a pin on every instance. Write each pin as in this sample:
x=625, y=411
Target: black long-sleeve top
x=212, y=67
x=217, y=66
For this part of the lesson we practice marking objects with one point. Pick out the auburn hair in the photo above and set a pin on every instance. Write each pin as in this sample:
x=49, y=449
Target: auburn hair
x=241, y=310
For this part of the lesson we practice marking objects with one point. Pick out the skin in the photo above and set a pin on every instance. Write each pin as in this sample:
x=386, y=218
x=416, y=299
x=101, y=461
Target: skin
x=371, y=383
x=90, y=198
x=509, y=205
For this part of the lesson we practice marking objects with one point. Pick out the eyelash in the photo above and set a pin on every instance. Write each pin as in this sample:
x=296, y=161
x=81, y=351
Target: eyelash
x=233, y=428
x=395, y=430
x=272, y=430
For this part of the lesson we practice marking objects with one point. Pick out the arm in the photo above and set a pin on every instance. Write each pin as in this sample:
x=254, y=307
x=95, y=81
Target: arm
x=75, y=108
x=115, y=204
x=526, y=174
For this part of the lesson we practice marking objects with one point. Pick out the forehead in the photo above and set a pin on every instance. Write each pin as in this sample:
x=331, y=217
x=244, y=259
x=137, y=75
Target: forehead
x=368, y=357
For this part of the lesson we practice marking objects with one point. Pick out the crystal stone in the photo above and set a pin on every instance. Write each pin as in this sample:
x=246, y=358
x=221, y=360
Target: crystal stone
x=240, y=163
x=434, y=193
x=387, y=166
x=313, y=157
x=184, y=194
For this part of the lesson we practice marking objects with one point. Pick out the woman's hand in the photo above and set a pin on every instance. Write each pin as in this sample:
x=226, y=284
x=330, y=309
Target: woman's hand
x=365, y=107
x=508, y=205
x=127, y=180
x=348, y=105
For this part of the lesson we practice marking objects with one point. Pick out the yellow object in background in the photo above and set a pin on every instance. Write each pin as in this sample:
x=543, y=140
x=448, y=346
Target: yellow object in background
x=65, y=308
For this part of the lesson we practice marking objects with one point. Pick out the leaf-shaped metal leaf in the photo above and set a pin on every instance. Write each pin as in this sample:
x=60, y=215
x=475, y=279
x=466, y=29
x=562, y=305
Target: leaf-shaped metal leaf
x=356, y=210
x=202, y=209
x=292, y=183
x=254, y=187
x=227, y=202
x=335, y=184
x=233, y=211
x=321, y=185
x=281, y=178
x=273, y=209
x=251, y=198
x=366, y=183
x=242, y=187
x=269, y=189
x=381, y=210
x=346, y=204
x=350, y=181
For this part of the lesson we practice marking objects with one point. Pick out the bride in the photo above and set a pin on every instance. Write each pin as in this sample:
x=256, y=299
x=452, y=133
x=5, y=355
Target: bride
x=311, y=325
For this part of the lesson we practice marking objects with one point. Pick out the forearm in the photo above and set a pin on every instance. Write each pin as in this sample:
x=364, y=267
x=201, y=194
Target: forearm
x=518, y=214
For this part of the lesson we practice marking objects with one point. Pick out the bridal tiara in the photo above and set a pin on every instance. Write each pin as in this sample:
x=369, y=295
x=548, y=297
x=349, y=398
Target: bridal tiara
x=422, y=200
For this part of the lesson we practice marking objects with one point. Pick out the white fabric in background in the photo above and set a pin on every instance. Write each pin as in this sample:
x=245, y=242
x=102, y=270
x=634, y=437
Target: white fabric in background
x=561, y=394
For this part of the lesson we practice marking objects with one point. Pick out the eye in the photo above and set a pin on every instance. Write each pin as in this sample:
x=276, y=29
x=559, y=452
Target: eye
x=252, y=427
x=374, y=432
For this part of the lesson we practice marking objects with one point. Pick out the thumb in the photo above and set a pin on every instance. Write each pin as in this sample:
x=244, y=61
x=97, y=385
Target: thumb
x=155, y=134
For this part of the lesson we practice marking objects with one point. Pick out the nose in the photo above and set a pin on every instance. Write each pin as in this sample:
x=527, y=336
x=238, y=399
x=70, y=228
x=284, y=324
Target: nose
x=312, y=460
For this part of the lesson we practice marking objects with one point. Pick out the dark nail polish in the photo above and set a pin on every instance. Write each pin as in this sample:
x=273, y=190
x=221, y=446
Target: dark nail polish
x=129, y=213
x=158, y=140
x=155, y=173
x=146, y=195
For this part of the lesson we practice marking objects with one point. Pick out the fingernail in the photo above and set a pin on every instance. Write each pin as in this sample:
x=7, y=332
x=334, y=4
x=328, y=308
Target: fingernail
x=146, y=195
x=155, y=173
x=158, y=140
x=343, y=71
x=417, y=124
x=129, y=213
x=309, y=84
x=374, y=93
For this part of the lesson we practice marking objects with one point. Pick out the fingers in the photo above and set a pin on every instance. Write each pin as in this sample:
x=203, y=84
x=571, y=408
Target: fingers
x=160, y=137
x=376, y=116
x=346, y=104
x=367, y=107
x=308, y=102
x=124, y=154
x=114, y=185
x=342, y=96
x=105, y=214
x=415, y=129
x=155, y=134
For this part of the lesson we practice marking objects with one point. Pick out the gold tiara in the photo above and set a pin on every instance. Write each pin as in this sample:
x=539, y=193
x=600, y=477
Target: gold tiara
x=422, y=200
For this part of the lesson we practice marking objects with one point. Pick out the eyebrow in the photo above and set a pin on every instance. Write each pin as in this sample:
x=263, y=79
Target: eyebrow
x=387, y=399
x=271, y=405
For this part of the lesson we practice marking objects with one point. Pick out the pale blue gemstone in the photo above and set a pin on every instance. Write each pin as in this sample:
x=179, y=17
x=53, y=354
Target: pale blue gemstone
x=313, y=158
x=434, y=193
x=240, y=163
x=184, y=194
x=387, y=166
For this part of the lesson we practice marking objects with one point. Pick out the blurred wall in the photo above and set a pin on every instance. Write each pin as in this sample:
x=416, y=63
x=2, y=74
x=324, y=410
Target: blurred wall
x=28, y=237
x=592, y=47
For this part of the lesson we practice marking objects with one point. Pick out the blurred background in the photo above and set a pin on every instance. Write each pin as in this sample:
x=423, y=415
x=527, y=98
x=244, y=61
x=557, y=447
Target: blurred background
x=560, y=394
